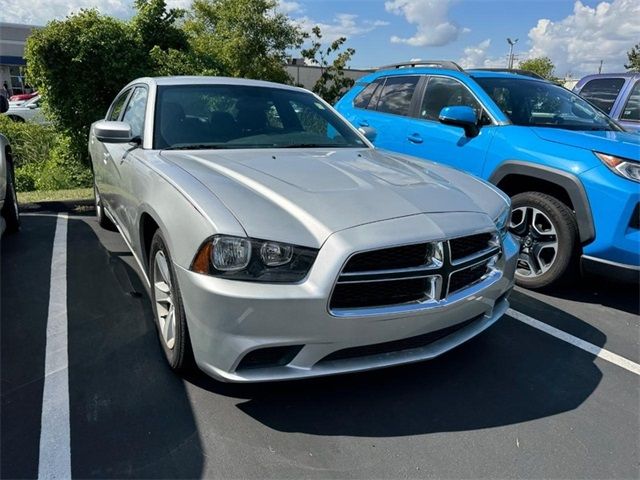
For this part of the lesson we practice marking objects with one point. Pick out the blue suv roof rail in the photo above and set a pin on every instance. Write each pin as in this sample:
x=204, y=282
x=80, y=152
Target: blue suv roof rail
x=517, y=71
x=445, y=64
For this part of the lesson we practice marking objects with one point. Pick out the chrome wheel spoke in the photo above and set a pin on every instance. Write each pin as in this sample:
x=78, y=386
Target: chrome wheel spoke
x=539, y=241
x=165, y=308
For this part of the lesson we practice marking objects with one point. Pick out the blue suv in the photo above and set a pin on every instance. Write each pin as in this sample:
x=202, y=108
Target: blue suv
x=573, y=174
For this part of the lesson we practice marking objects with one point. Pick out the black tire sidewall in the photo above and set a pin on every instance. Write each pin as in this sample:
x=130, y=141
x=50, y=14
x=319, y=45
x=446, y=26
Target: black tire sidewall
x=563, y=220
x=179, y=357
x=103, y=220
x=10, y=210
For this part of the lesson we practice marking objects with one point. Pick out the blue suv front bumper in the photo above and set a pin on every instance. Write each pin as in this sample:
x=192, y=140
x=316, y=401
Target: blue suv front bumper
x=615, y=206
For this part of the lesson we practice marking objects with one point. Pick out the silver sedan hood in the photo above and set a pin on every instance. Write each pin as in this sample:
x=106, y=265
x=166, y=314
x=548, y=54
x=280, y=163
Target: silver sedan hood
x=304, y=195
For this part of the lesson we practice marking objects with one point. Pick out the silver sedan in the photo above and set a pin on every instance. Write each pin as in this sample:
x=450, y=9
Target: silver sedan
x=278, y=243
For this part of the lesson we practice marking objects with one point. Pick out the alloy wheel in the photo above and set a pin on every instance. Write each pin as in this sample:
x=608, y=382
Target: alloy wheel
x=538, y=241
x=165, y=308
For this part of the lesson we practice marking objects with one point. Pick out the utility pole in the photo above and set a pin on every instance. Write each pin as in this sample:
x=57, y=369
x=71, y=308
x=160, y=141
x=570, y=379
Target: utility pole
x=511, y=45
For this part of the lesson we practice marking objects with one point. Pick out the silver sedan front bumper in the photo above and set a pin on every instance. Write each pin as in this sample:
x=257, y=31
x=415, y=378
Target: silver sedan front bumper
x=229, y=319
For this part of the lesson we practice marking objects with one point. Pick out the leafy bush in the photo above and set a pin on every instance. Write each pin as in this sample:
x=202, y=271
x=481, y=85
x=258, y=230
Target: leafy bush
x=44, y=159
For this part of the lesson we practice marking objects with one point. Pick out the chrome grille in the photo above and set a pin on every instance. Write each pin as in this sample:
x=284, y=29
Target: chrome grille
x=402, y=275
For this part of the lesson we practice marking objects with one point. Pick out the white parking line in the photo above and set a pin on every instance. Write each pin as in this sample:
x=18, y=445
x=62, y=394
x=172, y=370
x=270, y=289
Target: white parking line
x=55, y=437
x=577, y=342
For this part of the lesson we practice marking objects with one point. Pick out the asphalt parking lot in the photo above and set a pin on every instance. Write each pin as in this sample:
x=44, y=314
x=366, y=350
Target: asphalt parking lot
x=516, y=401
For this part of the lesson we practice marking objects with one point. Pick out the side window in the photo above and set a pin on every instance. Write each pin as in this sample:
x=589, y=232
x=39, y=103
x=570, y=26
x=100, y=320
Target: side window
x=632, y=108
x=364, y=97
x=134, y=113
x=117, y=106
x=602, y=92
x=445, y=92
x=397, y=94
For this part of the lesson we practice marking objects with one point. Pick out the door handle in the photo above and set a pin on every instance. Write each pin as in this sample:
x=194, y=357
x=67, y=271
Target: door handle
x=415, y=138
x=363, y=123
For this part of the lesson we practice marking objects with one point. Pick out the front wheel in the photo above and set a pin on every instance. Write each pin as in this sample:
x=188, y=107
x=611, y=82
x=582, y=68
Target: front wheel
x=103, y=220
x=548, y=235
x=167, y=307
x=10, y=211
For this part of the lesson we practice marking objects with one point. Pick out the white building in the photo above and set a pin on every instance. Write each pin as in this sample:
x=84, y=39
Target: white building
x=12, y=40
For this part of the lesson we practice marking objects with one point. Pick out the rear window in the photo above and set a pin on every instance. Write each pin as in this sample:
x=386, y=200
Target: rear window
x=397, y=94
x=632, y=108
x=364, y=97
x=602, y=92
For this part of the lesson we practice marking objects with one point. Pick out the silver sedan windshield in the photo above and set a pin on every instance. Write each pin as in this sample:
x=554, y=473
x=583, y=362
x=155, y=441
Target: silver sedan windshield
x=238, y=116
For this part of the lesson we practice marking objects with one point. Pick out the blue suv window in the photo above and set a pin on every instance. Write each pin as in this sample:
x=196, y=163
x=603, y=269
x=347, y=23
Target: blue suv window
x=602, y=92
x=397, y=94
x=445, y=92
x=364, y=97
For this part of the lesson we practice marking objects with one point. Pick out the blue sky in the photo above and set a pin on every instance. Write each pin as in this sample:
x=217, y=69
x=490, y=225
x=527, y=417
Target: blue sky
x=576, y=35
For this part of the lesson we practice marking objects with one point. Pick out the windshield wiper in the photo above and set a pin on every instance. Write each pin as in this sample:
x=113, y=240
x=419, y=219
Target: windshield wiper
x=311, y=145
x=195, y=146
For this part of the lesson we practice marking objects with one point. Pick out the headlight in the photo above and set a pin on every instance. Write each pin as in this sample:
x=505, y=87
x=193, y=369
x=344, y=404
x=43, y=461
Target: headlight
x=621, y=166
x=254, y=260
x=502, y=220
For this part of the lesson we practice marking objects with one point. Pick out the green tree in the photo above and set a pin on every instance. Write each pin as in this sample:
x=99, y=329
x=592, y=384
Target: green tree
x=543, y=66
x=634, y=58
x=78, y=65
x=241, y=38
x=157, y=26
x=332, y=82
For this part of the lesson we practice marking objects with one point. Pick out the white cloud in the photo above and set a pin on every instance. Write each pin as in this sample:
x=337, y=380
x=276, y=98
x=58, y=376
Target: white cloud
x=288, y=7
x=577, y=43
x=39, y=12
x=431, y=17
x=343, y=25
x=477, y=56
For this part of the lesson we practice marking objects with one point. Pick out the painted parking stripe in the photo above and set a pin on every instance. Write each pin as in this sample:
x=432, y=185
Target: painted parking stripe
x=55, y=439
x=577, y=342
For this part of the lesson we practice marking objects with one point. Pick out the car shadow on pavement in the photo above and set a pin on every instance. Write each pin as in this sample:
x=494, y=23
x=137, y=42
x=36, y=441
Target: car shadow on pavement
x=511, y=373
x=600, y=291
x=130, y=416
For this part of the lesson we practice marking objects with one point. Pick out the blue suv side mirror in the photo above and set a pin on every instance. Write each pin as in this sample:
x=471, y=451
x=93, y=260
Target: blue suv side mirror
x=460, y=116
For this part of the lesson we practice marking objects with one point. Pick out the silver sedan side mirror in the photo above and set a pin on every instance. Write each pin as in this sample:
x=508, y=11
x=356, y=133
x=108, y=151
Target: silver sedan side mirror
x=113, y=132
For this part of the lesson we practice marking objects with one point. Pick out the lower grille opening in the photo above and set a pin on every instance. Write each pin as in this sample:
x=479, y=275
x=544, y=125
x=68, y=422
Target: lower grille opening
x=397, y=345
x=467, y=277
x=367, y=294
x=269, y=357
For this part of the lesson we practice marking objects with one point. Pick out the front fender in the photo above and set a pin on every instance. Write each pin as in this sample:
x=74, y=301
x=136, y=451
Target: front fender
x=186, y=212
x=569, y=182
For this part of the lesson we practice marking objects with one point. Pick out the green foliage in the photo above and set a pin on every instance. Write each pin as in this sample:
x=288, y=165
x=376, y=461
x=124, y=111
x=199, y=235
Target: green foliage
x=332, y=82
x=157, y=27
x=78, y=65
x=43, y=157
x=634, y=58
x=249, y=38
x=543, y=66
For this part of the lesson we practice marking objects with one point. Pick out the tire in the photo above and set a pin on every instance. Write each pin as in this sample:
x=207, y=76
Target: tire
x=16, y=119
x=103, y=220
x=10, y=210
x=177, y=348
x=543, y=224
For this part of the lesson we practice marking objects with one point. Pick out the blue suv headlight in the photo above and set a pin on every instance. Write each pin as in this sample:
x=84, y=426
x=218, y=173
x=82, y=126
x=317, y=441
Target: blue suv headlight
x=621, y=166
